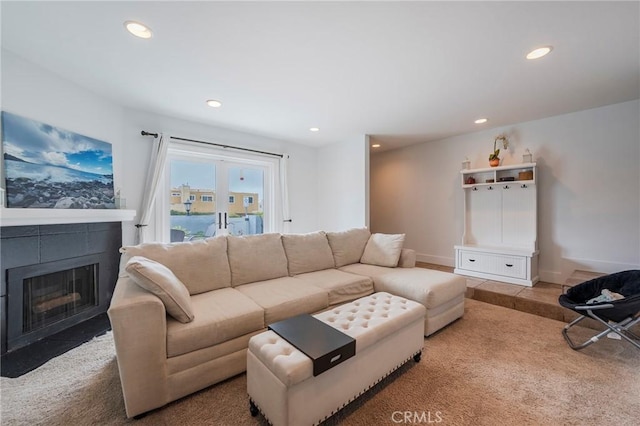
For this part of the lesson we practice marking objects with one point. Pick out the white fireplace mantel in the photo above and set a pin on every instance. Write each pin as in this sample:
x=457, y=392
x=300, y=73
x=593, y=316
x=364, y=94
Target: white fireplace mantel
x=26, y=217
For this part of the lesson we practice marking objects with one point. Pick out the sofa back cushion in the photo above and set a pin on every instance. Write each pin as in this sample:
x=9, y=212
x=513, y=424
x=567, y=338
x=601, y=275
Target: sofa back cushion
x=307, y=252
x=256, y=258
x=348, y=246
x=201, y=265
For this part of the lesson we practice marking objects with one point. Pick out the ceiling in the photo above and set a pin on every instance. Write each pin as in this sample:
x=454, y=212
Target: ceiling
x=402, y=72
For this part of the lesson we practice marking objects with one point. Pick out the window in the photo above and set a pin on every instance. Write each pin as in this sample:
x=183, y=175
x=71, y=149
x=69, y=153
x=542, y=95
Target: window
x=175, y=194
x=230, y=193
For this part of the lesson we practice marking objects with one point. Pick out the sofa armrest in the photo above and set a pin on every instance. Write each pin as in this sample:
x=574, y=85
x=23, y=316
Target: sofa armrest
x=407, y=258
x=139, y=324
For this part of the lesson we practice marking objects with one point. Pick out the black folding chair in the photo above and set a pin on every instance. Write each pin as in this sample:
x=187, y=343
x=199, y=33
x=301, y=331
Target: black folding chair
x=617, y=315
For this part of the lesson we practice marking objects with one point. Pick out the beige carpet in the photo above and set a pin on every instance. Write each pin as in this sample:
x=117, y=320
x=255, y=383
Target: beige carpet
x=494, y=366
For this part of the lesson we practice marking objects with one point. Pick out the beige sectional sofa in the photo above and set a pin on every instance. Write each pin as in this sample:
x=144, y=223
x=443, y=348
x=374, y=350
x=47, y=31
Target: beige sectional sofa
x=182, y=314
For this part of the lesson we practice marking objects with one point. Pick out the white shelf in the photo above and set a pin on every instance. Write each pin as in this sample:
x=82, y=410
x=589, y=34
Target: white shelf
x=26, y=217
x=499, y=168
x=511, y=172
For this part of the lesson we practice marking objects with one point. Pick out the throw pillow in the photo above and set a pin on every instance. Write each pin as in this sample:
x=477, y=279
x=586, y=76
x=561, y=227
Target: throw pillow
x=383, y=250
x=159, y=280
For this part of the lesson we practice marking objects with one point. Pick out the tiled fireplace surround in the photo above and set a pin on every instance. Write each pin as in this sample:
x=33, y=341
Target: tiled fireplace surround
x=69, y=245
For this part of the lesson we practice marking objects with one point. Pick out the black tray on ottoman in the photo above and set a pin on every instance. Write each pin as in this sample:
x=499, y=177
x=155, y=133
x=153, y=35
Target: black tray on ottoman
x=326, y=346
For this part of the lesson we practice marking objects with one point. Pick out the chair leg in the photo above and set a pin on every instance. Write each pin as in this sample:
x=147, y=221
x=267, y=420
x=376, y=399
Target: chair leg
x=621, y=328
x=583, y=345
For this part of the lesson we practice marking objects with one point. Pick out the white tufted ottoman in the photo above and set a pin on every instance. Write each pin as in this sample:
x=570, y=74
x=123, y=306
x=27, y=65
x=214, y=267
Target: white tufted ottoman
x=388, y=331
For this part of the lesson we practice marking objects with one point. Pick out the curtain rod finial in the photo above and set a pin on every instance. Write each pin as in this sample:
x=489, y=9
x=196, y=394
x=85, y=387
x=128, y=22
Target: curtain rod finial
x=145, y=133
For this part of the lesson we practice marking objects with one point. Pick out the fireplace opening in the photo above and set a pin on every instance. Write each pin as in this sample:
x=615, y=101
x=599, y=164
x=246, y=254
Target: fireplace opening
x=46, y=298
x=53, y=297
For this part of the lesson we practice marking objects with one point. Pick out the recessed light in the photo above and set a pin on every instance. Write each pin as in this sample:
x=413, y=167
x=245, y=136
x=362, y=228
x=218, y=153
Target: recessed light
x=481, y=120
x=214, y=103
x=138, y=29
x=375, y=145
x=539, y=52
x=314, y=129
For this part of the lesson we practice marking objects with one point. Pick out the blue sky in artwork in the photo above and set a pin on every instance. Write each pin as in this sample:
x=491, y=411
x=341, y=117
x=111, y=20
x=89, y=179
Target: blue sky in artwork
x=41, y=143
x=94, y=161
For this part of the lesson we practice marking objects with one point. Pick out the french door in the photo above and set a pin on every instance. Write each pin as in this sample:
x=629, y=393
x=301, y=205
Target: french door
x=209, y=195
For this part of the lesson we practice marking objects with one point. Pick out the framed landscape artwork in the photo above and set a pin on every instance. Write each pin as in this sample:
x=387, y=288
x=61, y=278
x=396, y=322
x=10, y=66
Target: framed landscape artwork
x=53, y=168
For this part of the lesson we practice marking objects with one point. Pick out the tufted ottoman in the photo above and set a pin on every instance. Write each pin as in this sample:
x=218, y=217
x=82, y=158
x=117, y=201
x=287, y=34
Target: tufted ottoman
x=388, y=331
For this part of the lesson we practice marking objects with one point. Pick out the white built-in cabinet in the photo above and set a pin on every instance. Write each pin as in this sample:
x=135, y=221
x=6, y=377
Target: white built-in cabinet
x=499, y=241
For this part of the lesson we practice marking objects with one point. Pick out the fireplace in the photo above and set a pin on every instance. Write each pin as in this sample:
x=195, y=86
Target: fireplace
x=48, y=297
x=56, y=296
x=54, y=277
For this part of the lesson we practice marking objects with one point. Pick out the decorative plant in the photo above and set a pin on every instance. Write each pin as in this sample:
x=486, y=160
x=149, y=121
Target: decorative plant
x=496, y=151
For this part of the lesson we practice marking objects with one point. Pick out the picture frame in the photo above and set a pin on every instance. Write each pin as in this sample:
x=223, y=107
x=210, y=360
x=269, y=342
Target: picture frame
x=49, y=167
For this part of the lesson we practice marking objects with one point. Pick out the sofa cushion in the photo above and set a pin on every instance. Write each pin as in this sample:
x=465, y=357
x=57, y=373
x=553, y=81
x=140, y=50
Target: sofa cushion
x=367, y=270
x=348, y=246
x=256, y=258
x=201, y=265
x=430, y=287
x=307, y=252
x=342, y=286
x=220, y=316
x=159, y=280
x=383, y=250
x=285, y=297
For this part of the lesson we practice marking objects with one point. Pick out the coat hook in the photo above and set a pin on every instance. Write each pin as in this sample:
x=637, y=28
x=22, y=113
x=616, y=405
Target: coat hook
x=524, y=185
x=506, y=187
x=490, y=188
x=474, y=188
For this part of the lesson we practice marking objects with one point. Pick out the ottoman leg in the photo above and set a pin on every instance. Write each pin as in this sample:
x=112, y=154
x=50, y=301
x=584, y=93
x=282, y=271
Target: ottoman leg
x=252, y=408
x=417, y=357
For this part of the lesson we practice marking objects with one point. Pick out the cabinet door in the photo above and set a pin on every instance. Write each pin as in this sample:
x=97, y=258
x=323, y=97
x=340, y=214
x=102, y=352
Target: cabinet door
x=518, y=214
x=496, y=264
x=483, y=217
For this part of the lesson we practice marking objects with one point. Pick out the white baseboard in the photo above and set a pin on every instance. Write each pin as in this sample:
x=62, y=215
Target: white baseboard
x=438, y=260
x=569, y=265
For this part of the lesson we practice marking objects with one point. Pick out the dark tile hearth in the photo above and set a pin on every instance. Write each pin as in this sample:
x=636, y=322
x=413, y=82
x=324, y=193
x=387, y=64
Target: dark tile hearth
x=21, y=361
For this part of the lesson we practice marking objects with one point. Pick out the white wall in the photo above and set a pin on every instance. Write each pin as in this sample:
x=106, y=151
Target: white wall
x=343, y=181
x=39, y=94
x=588, y=190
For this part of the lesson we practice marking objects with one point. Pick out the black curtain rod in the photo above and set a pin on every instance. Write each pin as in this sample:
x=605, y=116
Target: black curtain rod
x=155, y=135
